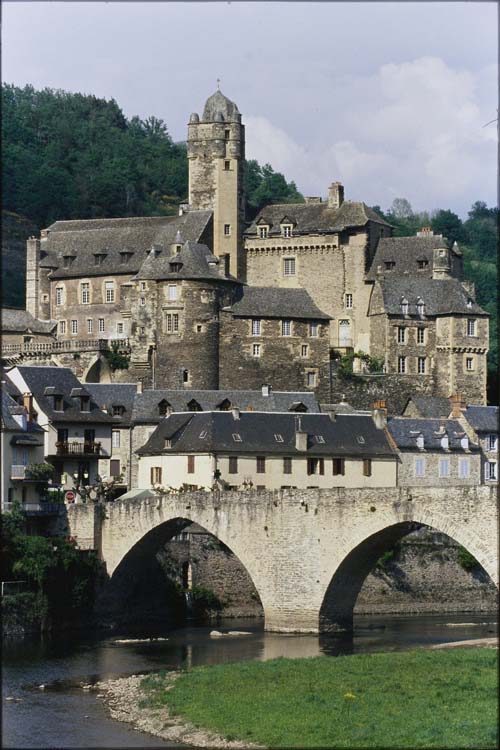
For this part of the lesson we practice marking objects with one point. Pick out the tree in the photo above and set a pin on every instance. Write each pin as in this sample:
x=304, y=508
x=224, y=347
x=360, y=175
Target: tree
x=449, y=225
x=401, y=208
x=264, y=186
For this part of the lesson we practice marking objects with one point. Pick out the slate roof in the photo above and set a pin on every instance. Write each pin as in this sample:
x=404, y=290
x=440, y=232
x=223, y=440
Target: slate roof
x=146, y=404
x=405, y=431
x=482, y=418
x=82, y=239
x=9, y=387
x=404, y=252
x=107, y=395
x=441, y=296
x=219, y=105
x=271, y=302
x=11, y=408
x=16, y=320
x=197, y=262
x=314, y=218
x=43, y=382
x=202, y=432
x=431, y=406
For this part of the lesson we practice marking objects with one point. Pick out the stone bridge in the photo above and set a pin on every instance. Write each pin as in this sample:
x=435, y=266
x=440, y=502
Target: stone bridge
x=307, y=551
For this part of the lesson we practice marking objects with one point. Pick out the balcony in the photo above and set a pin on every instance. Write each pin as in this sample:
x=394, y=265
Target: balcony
x=18, y=471
x=75, y=448
x=40, y=348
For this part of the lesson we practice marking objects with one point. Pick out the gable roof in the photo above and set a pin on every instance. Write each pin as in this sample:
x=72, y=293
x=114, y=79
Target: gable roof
x=107, y=395
x=202, y=432
x=482, y=418
x=272, y=302
x=17, y=320
x=145, y=407
x=45, y=382
x=440, y=296
x=315, y=218
x=404, y=252
x=113, y=237
x=196, y=262
x=405, y=431
x=431, y=406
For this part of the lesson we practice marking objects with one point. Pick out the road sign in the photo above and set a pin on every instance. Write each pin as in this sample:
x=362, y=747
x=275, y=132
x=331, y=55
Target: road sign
x=69, y=496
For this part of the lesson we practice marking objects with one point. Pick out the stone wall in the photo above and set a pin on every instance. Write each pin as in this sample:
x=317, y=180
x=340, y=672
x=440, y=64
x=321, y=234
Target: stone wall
x=361, y=391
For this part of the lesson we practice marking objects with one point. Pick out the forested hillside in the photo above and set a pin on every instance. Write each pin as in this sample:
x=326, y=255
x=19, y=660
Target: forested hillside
x=478, y=240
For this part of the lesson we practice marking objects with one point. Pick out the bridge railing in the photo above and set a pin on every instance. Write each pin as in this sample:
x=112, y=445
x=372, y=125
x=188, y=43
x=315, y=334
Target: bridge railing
x=55, y=347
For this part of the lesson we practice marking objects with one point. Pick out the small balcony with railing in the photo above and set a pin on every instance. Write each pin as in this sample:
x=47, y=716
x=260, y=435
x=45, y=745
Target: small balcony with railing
x=18, y=472
x=79, y=448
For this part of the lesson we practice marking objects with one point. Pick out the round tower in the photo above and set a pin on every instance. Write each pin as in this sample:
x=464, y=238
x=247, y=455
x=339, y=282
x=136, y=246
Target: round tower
x=216, y=153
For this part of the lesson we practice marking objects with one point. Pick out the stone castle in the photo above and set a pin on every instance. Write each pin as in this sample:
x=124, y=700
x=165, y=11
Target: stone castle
x=206, y=300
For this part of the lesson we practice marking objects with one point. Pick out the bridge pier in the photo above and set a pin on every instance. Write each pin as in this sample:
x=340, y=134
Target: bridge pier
x=283, y=620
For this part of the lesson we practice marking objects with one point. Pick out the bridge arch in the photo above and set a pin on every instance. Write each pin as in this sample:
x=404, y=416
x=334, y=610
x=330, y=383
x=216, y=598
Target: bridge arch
x=98, y=371
x=349, y=574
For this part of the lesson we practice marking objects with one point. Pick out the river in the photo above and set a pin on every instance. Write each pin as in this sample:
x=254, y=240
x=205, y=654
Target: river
x=63, y=715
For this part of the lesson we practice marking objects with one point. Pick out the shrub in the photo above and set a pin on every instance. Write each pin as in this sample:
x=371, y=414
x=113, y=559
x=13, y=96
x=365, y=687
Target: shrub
x=466, y=560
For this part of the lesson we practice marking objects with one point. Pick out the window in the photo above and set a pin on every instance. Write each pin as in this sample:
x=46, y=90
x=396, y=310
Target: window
x=85, y=403
x=227, y=166
x=255, y=350
x=319, y=438
x=401, y=335
x=401, y=364
x=227, y=230
x=311, y=378
x=233, y=464
x=155, y=475
x=62, y=326
x=288, y=266
x=471, y=327
x=469, y=364
x=444, y=467
x=142, y=301
x=304, y=350
x=420, y=467
x=286, y=327
x=278, y=438
x=313, y=330
x=74, y=327
x=261, y=465
x=191, y=464
x=172, y=292
x=491, y=442
x=338, y=466
x=185, y=376
x=142, y=331
x=59, y=295
x=227, y=133
x=256, y=327
x=286, y=230
x=90, y=325
x=109, y=287
x=389, y=265
x=114, y=467
x=348, y=300
x=421, y=365
x=143, y=286
x=404, y=306
x=59, y=406
x=464, y=468
x=420, y=335
x=287, y=466
x=98, y=258
x=263, y=233
x=367, y=467
x=420, y=307
x=115, y=438
x=315, y=466
x=119, y=328
x=172, y=323
x=100, y=325
x=163, y=407
x=85, y=293
x=236, y=437
x=491, y=471
x=118, y=410
x=422, y=263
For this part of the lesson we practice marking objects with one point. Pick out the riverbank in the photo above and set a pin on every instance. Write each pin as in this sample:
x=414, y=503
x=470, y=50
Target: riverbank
x=423, y=698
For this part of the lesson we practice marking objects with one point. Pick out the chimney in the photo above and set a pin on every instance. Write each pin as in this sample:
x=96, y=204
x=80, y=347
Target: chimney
x=139, y=386
x=266, y=390
x=379, y=414
x=312, y=199
x=28, y=405
x=425, y=232
x=300, y=436
x=236, y=412
x=335, y=195
x=457, y=405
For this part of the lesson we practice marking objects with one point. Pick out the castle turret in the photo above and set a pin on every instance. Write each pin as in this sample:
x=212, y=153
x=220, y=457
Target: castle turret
x=216, y=153
x=441, y=265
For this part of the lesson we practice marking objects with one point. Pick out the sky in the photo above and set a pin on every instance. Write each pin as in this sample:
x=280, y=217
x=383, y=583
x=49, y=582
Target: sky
x=392, y=99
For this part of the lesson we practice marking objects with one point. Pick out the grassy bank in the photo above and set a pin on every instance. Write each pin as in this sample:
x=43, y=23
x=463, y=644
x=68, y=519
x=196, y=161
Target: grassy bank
x=417, y=699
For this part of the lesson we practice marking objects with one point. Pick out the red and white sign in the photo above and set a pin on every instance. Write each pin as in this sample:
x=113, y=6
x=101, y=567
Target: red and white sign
x=69, y=496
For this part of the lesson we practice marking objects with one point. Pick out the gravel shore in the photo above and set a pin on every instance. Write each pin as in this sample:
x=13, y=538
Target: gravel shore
x=122, y=697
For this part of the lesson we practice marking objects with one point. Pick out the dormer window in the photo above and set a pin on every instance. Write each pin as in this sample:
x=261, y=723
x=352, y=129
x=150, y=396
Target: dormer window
x=469, y=302
x=68, y=260
x=404, y=306
x=236, y=437
x=117, y=410
x=85, y=403
x=168, y=443
x=286, y=230
x=264, y=232
x=175, y=267
x=193, y=405
x=164, y=408
x=445, y=442
x=278, y=438
x=420, y=307
x=125, y=256
x=420, y=442
x=58, y=403
x=389, y=265
x=99, y=258
x=422, y=264
x=224, y=405
x=464, y=442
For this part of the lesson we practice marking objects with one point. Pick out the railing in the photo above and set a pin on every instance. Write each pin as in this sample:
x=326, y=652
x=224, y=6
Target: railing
x=75, y=448
x=18, y=471
x=53, y=347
